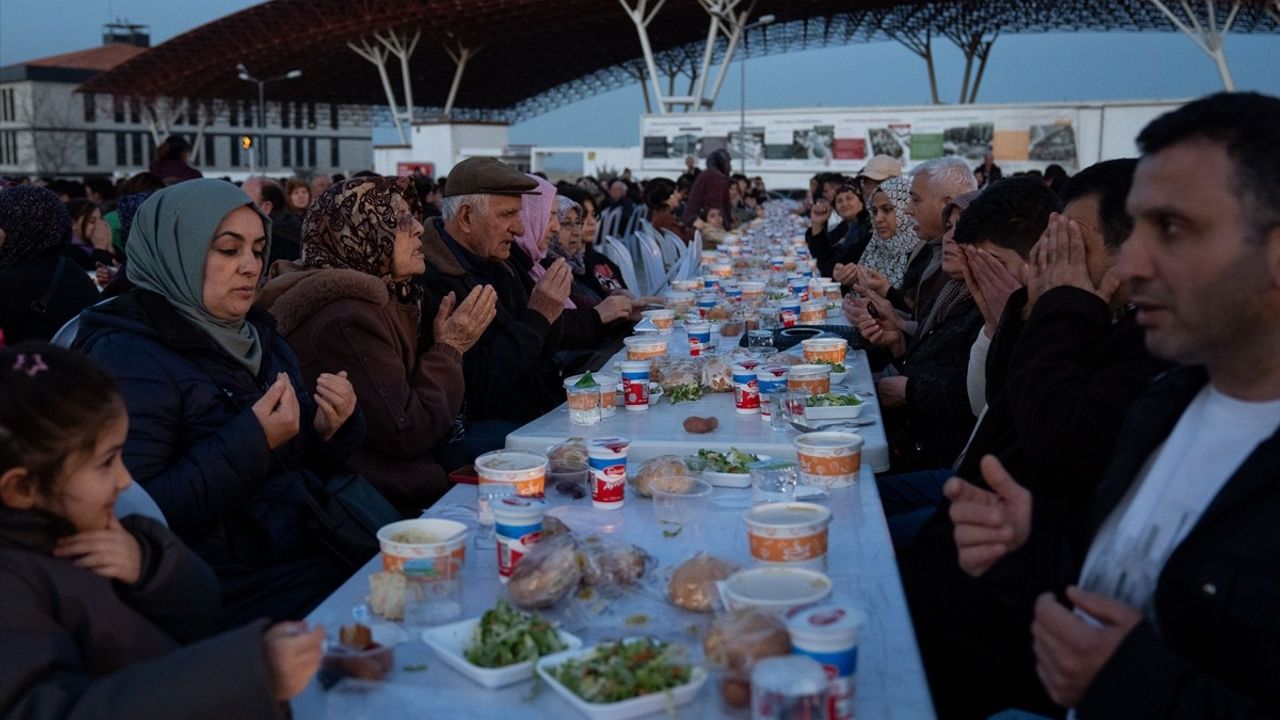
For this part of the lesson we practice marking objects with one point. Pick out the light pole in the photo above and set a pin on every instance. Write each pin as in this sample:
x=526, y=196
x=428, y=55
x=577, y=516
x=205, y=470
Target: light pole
x=262, y=109
x=742, y=75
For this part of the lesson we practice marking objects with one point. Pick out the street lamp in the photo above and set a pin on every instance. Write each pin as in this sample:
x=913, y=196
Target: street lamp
x=262, y=107
x=742, y=72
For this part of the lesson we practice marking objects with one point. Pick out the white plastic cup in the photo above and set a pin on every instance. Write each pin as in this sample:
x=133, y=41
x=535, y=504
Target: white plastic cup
x=829, y=459
x=829, y=634
x=746, y=390
x=518, y=526
x=699, y=337
x=607, y=462
x=635, y=384
x=646, y=347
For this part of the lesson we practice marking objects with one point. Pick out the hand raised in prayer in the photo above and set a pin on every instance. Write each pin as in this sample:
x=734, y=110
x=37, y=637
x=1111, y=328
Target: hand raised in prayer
x=819, y=216
x=1070, y=649
x=277, y=412
x=990, y=283
x=845, y=273
x=989, y=524
x=112, y=552
x=462, y=327
x=552, y=289
x=1061, y=259
x=292, y=655
x=335, y=401
x=873, y=280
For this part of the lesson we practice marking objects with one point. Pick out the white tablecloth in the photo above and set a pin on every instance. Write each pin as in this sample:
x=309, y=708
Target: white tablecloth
x=660, y=429
x=890, y=684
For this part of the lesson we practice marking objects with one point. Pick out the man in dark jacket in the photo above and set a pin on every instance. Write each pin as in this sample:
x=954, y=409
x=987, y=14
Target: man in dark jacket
x=508, y=373
x=1059, y=384
x=1172, y=604
x=286, y=228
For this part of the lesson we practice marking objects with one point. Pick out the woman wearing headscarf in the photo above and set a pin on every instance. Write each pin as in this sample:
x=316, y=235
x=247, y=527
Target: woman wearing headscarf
x=224, y=433
x=351, y=305
x=41, y=286
x=710, y=190
x=568, y=244
x=584, y=328
x=895, y=230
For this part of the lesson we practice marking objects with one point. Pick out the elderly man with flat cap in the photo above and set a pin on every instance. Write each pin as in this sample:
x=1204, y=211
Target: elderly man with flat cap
x=509, y=374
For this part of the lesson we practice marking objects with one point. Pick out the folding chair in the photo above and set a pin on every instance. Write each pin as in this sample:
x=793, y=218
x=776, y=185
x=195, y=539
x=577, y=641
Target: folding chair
x=614, y=250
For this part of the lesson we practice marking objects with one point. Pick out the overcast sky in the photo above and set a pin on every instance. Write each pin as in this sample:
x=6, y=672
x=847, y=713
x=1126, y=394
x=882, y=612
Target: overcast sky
x=1022, y=68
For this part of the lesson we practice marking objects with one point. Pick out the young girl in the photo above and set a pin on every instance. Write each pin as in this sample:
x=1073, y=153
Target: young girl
x=103, y=615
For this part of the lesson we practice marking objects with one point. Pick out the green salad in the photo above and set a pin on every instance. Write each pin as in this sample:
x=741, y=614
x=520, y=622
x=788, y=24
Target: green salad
x=835, y=367
x=506, y=636
x=832, y=400
x=735, y=461
x=685, y=392
x=619, y=671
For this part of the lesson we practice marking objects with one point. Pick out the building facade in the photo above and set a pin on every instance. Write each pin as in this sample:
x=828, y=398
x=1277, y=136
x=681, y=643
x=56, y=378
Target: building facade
x=48, y=128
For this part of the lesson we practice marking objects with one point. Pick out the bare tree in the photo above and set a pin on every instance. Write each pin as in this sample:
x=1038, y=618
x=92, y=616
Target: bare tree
x=57, y=136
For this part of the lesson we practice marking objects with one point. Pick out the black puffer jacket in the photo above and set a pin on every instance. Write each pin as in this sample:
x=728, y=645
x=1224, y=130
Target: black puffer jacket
x=194, y=443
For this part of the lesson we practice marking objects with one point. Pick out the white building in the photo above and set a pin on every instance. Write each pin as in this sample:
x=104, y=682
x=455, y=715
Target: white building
x=47, y=128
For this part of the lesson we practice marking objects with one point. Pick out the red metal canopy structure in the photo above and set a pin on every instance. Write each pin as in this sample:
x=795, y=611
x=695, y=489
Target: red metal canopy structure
x=511, y=59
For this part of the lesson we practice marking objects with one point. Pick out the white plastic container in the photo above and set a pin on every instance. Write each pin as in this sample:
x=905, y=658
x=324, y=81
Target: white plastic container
x=607, y=462
x=774, y=588
x=829, y=634
x=450, y=642
x=646, y=347
x=441, y=552
x=829, y=459
x=828, y=350
x=789, y=533
x=518, y=526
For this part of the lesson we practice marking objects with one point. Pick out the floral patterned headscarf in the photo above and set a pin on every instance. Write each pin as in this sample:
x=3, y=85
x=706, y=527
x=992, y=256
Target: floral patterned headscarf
x=352, y=226
x=890, y=257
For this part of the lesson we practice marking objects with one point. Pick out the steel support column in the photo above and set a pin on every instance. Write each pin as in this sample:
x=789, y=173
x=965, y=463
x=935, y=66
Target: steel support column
x=1207, y=36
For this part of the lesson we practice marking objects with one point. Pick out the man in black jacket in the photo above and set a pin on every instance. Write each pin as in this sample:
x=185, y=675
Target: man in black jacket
x=1175, y=611
x=508, y=372
x=1062, y=372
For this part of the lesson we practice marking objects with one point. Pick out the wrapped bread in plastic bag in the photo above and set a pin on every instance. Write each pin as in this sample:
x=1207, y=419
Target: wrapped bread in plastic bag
x=568, y=455
x=670, y=372
x=783, y=358
x=609, y=565
x=736, y=642
x=693, y=584
x=548, y=573
x=659, y=467
x=717, y=374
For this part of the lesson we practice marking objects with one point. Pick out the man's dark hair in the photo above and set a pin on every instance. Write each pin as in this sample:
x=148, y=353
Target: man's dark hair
x=658, y=193
x=272, y=192
x=1109, y=181
x=1245, y=125
x=101, y=185
x=1010, y=213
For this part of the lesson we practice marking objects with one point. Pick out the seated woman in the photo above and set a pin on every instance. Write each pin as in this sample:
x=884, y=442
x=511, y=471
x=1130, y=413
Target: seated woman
x=41, y=286
x=662, y=198
x=109, y=617
x=223, y=432
x=90, y=235
x=844, y=243
x=298, y=193
x=352, y=306
x=885, y=260
x=568, y=244
x=583, y=328
x=710, y=223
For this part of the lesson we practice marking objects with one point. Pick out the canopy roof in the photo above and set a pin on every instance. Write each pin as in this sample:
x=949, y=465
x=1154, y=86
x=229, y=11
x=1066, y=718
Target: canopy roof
x=535, y=55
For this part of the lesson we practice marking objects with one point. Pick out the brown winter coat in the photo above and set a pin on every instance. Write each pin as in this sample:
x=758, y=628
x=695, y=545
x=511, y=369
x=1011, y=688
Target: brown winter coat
x=347, y=320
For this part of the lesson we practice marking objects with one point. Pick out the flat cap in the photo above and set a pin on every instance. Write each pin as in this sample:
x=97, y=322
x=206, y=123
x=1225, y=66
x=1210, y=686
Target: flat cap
x=487, y=176
x=881, y=168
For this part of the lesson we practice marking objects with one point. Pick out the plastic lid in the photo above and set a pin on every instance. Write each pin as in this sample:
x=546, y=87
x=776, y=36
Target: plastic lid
x=827, y=624
x=790, y=675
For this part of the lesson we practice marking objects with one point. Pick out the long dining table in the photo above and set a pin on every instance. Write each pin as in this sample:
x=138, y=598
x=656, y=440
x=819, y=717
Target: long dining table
x=890, y=681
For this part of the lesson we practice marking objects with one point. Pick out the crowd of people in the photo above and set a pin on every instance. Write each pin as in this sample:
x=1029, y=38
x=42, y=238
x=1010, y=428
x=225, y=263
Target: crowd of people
x=1077, y=378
